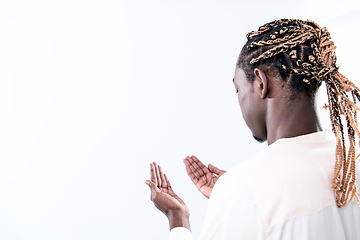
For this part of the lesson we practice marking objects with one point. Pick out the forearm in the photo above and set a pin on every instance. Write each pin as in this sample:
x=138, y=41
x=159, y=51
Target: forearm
x=178, y=218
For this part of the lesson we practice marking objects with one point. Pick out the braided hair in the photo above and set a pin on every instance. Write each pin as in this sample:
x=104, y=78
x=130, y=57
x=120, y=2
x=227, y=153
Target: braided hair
x=302, y=53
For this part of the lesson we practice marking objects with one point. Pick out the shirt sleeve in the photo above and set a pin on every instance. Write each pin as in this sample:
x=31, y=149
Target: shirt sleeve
x=180, y=233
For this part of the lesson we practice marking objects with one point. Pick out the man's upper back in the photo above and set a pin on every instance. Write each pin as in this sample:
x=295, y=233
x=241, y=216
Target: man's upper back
x=284, y=192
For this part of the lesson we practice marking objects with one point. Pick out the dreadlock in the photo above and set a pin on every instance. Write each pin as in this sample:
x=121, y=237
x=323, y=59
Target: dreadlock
x=303, y=54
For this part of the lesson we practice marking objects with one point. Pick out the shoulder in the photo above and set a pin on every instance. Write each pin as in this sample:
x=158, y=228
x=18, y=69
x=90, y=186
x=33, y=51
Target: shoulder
x=287, y=155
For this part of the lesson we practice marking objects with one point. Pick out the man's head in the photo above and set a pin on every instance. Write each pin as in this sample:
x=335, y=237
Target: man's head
x=268, y=62
x=292, y=50
x=290, y=58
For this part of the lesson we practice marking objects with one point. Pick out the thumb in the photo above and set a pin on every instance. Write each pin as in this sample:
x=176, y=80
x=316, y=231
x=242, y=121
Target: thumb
x=149, y=183
x=215, y=170
x=153, y=189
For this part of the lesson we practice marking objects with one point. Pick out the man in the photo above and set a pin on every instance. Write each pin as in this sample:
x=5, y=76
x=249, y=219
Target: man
x=296, y=188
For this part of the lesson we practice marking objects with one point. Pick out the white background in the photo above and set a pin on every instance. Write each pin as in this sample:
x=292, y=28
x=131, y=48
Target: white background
x=91, y=92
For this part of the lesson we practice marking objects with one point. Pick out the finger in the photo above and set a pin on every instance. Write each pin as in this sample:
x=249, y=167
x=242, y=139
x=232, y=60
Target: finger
x=163, y=181
x=200, y=165
x=152, y=173
x=148, y=182
x=187, y=161
x=193, y=166
x=201, y=170
x=158, y=178
x=153, y=188
x=151, y=185
x=190, y=164
x=168, y=182
x=171, y=191
x=196, y=174
x=193, y=178
x=215, y=170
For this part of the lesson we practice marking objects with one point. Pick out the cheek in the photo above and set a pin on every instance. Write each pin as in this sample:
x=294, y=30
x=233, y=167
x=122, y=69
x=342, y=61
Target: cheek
x=244, y=106
x=244, y=102
x=241, y=103
x=249, y=110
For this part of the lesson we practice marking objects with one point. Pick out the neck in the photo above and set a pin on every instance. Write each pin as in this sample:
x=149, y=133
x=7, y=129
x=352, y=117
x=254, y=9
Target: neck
x=288, y=119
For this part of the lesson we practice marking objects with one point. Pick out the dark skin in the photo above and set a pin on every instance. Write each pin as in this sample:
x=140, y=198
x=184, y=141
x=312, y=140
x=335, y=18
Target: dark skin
x=168, y=202
x=270, y=116
x=267, y=110
x=203, y=177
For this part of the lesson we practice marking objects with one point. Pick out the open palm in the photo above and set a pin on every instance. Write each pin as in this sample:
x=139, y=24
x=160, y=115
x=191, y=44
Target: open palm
x=203, y=177
x=162, y=193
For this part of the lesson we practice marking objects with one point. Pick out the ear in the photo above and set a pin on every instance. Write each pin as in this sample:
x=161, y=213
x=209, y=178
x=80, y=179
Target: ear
x=262, y=82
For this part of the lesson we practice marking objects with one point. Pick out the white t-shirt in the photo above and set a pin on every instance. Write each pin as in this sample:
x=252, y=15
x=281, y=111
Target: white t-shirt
x=284, y=192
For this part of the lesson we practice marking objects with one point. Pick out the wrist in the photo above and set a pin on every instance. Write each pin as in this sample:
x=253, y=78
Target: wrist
x=178, y=218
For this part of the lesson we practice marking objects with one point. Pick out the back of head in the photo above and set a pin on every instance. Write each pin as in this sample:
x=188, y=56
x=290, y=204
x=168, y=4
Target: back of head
x=302, y=53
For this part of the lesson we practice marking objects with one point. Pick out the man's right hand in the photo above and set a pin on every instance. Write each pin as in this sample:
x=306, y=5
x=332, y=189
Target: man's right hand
x=203, y=177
